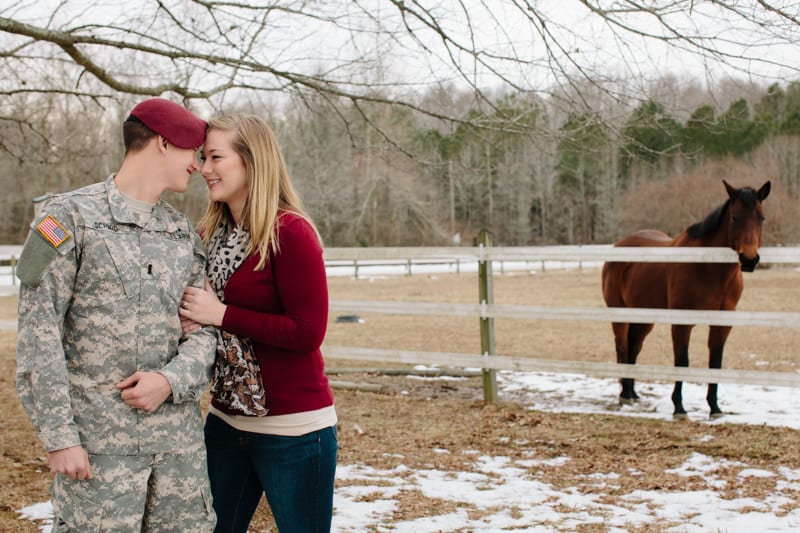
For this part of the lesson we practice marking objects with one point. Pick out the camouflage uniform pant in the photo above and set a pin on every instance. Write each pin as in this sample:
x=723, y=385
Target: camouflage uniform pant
x=165, y=492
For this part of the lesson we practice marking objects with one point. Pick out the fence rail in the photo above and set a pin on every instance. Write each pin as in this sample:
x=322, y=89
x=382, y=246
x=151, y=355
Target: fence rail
x=409, y=258
x=585, y=253
x=10, y=262
x=586, y=314
x=588, y=368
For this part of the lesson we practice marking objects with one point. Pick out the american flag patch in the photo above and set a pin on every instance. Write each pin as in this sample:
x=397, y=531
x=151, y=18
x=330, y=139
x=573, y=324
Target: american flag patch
x=53, y=231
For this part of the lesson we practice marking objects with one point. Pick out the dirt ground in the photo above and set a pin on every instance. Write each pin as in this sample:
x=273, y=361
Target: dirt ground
x=410, y=418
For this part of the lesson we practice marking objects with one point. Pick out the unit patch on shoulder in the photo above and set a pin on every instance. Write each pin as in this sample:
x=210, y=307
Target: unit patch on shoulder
x=52, y=230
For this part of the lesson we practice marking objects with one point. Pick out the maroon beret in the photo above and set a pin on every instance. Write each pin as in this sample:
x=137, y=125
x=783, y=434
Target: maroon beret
x=172, y=121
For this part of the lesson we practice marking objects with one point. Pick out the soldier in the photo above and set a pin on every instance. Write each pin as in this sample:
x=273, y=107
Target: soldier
x=109, y=381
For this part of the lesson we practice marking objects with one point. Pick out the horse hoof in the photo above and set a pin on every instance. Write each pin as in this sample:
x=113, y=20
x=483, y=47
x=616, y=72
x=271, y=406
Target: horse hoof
x=626, y=401
x=718, y=414
x=680, y=416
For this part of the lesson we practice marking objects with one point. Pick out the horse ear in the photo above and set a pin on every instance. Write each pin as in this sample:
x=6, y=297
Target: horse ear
x=731, y=190
x=763, y=192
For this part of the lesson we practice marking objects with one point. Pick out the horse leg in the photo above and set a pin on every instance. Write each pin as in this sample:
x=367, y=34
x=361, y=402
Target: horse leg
x=636, y=336
x=620, y=330
x=680, y=349
x=717, y=335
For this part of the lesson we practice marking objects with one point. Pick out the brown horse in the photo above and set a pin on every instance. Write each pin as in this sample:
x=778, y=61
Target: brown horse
x=735, y=224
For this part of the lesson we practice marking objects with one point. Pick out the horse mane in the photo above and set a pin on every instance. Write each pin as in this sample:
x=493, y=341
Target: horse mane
x=746, y=195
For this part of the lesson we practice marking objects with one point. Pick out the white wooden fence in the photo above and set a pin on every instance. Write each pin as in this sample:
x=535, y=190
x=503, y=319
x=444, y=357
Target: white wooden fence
x=487, y=310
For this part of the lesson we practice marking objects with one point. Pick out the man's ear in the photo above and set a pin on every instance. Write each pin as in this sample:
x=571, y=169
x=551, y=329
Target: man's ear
x=161, y=143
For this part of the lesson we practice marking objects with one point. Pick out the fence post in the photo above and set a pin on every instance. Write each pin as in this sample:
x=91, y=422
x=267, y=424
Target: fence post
x=14, y=270
x=486, y=297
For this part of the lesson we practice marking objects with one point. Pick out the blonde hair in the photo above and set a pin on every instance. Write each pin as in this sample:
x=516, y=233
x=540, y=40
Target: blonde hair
x=270, y=192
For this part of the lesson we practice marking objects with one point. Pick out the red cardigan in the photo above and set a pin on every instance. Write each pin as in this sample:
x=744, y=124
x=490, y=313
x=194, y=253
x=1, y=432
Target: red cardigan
x=283, y=309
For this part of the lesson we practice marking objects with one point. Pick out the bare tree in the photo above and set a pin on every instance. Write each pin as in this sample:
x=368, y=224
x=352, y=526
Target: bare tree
x=50, y=144
x=364, y=63
x=220, y=50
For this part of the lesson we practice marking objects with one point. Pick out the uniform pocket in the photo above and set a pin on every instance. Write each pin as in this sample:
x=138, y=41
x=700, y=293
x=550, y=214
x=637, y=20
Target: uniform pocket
x=175, y=270
x=208, y=504
x=108, y=274
x=73, y=510
x=127, y=260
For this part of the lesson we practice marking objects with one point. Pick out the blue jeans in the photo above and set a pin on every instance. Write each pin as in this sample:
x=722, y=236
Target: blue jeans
x=295, y=473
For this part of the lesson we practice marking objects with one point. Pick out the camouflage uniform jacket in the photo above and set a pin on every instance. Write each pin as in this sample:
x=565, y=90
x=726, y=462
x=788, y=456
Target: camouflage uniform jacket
x=101, y=286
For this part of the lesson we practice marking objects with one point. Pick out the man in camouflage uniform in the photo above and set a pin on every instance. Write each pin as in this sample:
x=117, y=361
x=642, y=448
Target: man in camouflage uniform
x=109, y=382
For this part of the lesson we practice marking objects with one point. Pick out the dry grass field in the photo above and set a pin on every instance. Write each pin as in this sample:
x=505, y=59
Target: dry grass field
x=451, y=415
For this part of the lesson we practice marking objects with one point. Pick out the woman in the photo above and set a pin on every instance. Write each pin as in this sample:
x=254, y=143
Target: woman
x=271, y=427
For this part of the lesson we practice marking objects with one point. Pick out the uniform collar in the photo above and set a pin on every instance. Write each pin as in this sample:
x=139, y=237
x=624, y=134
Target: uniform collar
x=159, y=219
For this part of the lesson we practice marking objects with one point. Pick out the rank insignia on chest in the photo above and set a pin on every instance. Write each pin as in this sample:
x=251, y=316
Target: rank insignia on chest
x=52, y=230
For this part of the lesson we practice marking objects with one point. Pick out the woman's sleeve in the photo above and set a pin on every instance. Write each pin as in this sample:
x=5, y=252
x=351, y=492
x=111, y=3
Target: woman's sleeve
x=301, y=282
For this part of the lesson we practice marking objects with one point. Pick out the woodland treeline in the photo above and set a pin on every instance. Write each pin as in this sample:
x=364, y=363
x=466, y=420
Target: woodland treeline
x=532, y=171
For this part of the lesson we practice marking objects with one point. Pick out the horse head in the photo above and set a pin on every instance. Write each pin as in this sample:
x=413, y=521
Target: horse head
x=745, y=218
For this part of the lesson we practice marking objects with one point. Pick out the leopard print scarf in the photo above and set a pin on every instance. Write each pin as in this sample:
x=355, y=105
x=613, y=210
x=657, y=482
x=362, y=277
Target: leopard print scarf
x=236, y=385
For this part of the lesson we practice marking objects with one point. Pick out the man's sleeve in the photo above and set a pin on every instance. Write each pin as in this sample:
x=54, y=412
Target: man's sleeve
x=189, y=371
x=47, y=269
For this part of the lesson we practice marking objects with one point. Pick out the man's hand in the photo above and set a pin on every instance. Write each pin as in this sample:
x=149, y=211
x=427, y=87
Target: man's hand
x=73, y=462
x=145, y=390
x=188, y=325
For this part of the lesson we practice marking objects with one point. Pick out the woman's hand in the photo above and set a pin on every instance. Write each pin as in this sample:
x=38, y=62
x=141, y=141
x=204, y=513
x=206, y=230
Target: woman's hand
x=202, y=307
